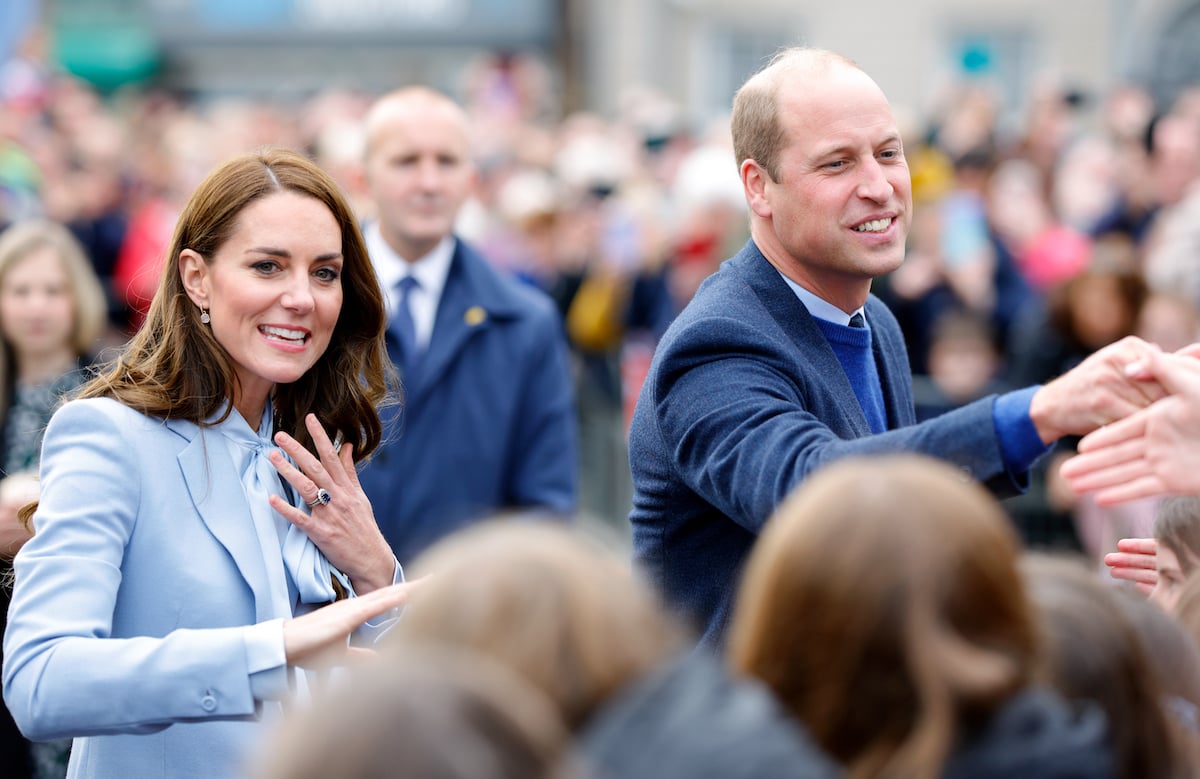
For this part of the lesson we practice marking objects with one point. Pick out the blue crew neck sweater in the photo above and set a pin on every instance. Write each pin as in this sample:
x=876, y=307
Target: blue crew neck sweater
x=852, y=345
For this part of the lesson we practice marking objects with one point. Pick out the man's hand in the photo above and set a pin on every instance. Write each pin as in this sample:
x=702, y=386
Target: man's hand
x=1098, y=391
x=1155, y=451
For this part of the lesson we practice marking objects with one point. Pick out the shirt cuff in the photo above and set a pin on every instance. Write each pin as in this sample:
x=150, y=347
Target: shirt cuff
x=266, y=660
x=1020, y=444
x=388, y=618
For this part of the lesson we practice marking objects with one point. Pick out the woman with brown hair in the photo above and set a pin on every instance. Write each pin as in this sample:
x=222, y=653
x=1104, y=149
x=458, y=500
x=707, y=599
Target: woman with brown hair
x=1093, y=653
x=570, y=617
x=433, y=713
x=563, y=612
x=1177, y=552
x=883, y=607
x=173, y=585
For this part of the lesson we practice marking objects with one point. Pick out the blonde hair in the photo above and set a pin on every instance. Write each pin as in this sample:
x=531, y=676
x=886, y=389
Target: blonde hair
x=435, y=712
x=566, y=615
x=90, y=308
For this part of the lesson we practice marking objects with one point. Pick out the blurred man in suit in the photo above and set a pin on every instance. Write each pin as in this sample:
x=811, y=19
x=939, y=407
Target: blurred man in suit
x=487, y=422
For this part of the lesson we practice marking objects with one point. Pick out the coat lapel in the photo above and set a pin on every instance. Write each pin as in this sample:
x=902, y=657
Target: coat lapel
x=894, y=371
x=469, y=305
x=216, y=492
x=815, y=355
x=458, y=318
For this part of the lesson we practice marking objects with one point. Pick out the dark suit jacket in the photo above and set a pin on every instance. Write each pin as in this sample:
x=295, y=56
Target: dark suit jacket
x=743, y=400
x=488, y=423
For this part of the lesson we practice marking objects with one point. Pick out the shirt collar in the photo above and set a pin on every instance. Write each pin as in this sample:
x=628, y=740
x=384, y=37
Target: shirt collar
x=820, y=308
x=430, y=271
x=236, y=428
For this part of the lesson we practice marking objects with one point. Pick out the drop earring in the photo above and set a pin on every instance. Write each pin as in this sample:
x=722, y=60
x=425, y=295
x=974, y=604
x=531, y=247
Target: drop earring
x=204, y=317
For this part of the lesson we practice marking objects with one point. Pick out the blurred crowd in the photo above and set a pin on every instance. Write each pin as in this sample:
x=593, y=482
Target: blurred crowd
x=1034, y=241
x=532, y=653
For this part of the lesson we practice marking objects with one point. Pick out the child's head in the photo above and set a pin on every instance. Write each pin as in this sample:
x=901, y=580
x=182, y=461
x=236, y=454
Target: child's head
x=1177, y=531
x=51, y=298
x=962, y=357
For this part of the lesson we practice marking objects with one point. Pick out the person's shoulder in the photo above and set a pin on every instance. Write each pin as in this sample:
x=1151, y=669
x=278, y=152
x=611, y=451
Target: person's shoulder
x=83, y=408
x=724, y=308
x=96, y=421
x=101, y=412
x=1036, y=734
x=691, y=717
x=723, y=293
x=501, y=291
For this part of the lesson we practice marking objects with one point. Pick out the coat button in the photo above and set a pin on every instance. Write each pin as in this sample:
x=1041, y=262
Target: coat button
x=208, y=702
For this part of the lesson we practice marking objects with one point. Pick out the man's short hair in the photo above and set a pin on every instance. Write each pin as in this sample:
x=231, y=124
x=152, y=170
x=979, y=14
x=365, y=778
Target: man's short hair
x=757, y=131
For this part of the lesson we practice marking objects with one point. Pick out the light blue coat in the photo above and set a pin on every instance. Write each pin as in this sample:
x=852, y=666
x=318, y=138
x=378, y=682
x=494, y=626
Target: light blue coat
x=141, y=622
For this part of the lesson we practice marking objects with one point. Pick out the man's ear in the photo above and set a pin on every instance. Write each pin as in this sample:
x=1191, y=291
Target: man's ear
x=754, y=182
x=193, y=272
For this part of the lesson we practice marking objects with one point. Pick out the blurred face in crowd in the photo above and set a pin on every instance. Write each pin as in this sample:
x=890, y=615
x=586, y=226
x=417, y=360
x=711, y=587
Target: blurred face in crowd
x=273, y=291
x=418, y=168
x=36, y=305
x=1170, y=578
x=839, y=213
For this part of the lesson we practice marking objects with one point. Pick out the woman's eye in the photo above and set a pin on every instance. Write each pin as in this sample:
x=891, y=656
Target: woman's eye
x=328, y=274
x=266, y=266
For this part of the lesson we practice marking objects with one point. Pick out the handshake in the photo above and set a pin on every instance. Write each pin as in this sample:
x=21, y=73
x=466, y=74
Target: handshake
x=1154, y=450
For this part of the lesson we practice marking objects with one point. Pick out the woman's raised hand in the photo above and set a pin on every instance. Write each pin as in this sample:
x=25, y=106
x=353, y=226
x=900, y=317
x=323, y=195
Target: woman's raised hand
x=342, y=523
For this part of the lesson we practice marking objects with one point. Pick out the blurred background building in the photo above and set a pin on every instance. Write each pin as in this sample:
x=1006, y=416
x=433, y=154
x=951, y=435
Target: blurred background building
x=696, y=51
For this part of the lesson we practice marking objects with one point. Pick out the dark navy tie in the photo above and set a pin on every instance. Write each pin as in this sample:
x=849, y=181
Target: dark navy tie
x=408, y=331
x=857, y=320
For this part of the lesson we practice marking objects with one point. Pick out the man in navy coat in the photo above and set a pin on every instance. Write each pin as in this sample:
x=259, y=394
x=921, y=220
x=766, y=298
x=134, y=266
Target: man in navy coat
x=487, y=423
x=783, y=361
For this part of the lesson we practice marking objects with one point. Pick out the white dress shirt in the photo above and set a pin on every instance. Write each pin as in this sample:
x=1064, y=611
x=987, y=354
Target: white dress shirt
x=821, y=308
x=430, y=272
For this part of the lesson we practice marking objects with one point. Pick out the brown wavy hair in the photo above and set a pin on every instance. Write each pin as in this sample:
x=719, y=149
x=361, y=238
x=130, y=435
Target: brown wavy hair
x=1093, y=652
x=883, y=606
x=175, y=368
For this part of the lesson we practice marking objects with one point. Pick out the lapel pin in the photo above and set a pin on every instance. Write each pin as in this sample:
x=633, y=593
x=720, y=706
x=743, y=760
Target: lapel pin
x=475, y=316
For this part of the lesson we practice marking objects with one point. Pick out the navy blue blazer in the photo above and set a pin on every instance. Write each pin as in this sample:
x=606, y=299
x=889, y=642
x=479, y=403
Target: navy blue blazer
x=487, y=424
x=744, y=399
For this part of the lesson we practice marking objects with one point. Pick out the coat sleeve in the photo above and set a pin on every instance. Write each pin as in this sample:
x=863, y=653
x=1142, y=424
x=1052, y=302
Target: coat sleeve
x=742, y=424
x=65, y=675
x=545, y=460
